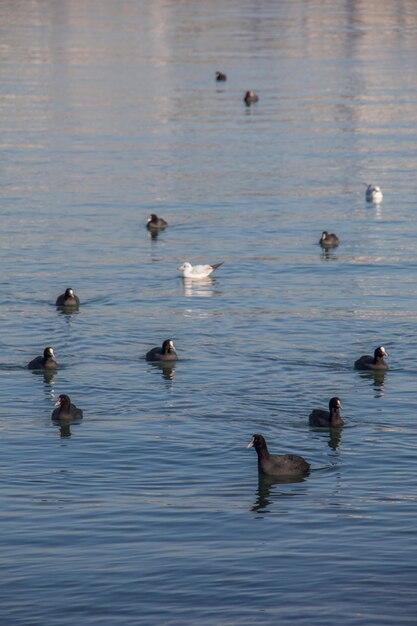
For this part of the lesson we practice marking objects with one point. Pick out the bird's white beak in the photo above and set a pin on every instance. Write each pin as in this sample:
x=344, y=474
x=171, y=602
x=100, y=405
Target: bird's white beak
x=250, y=444
x=58, y=402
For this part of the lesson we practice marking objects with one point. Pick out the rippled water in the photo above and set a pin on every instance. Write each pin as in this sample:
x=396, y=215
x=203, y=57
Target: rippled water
x=150, y=510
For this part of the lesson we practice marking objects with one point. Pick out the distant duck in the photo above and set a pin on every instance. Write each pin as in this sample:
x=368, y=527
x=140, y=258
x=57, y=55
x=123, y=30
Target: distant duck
x=329, y=240
x=277, y=465
x=65, y=409
x=68, y=298
x=155, y=223
x=374, y=194
x=250, y=98
x=376, y=362
x=198, y=271
x=330, y=418
x=165, y=353
x=45, y=362
x=220, y=77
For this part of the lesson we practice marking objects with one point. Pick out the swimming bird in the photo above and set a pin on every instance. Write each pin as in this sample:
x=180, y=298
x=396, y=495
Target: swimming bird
x=277, y=465
x=220, y=77
x=65, y=409
x=330, y=418
x=166, y=353
x=198, y=271
x=154, y=222
x=250, y=98
x=376, y=362
x=373, y=194
x=328, y=240
x=68, y=298
x=47, y=361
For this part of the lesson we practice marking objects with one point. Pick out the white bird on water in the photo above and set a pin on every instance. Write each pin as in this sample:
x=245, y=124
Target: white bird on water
x=197, y=271
x=374, y=194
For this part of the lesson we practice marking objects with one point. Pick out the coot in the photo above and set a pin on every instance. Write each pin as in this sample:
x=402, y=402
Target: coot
x=165, y=353
x=155, y=223
x=65, y=409
x=250, y=97
x=277, y=465
x=376, y=362
x=330, y=418
x=328, y=240
x=45, y=362
x=68, y=298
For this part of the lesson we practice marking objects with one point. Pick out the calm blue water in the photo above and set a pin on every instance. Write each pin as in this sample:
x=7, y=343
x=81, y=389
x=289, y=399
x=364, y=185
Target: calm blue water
x=150, y=511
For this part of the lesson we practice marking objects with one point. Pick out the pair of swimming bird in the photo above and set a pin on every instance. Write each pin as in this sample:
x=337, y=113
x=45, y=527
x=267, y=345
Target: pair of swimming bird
x=155, y=224
x=293, y=464
x=250, y=96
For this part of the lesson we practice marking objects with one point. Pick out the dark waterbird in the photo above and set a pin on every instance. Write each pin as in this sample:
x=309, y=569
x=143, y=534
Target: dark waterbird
x=329, y=240
x=250, y=98
x=68, y=299
x=155, y=223
x=220, y=77
x=327, y=419
x=376, y=362
x=165, y=353
x=45, y=362
x=65, y=409
x=277, y=465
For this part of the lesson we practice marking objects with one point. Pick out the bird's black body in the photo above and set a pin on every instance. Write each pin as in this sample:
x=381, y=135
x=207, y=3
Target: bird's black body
x=250, y=98
x=155, y=223
x=45, y=362
x=376, y=362
x=329, y=240
x=277, y=465
x=327, y=419
x=68, y=299
x=165, y=353
x=66, y=410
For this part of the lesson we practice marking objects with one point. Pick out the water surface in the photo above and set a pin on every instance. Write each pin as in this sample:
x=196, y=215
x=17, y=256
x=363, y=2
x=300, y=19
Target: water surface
x=150, y=511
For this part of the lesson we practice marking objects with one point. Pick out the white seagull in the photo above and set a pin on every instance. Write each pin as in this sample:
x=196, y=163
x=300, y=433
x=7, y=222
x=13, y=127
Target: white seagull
x=374, y=194
x=197, y=271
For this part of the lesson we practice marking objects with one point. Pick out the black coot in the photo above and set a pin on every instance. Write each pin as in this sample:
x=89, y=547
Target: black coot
x=277, y=465
x=68, y=298
x=45, y=362
x=329, y=240
x=165, y=353
x=376, y=362
x=65, y=409
x=155, y=223
x=330, y=418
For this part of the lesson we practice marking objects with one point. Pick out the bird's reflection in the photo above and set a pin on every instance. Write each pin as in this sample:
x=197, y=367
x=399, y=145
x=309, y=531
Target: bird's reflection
x=335, y=437
x=328, y=254
x=153, y=234
x=64, y=428
x=167, y=369
x=265, y=486
x=376, y=379
x=68, y=309
x=47, y=375
x=203, y=288
x=378, y=211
